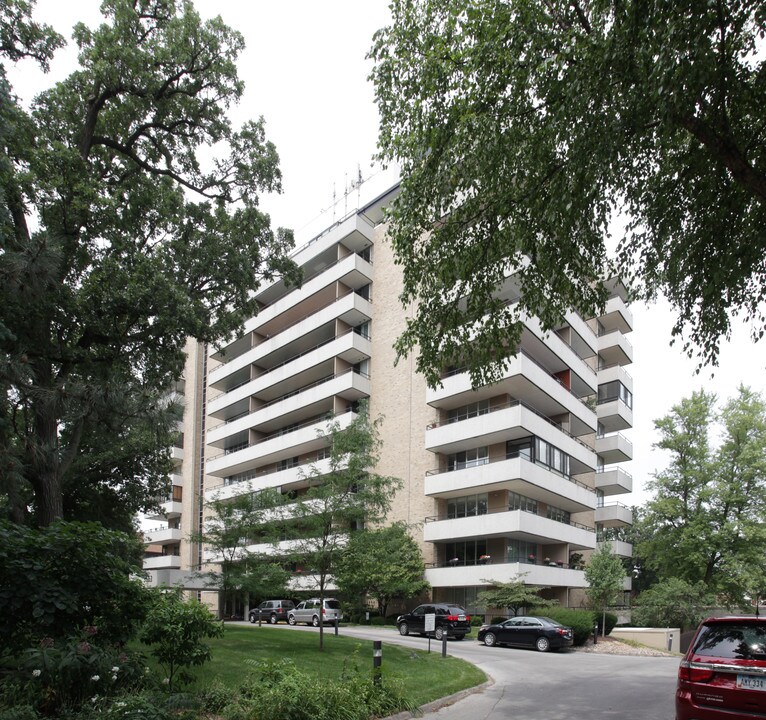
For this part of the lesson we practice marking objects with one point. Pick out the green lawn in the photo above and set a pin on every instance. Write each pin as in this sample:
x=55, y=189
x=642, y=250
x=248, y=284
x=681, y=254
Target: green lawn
x=425, y=676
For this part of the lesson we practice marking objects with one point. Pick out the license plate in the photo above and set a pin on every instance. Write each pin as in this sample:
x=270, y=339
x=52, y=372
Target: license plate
x=461, y=618
x=751, y=682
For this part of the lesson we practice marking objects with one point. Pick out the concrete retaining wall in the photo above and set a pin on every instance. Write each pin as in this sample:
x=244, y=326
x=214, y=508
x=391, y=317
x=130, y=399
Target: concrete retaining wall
x=659, y=638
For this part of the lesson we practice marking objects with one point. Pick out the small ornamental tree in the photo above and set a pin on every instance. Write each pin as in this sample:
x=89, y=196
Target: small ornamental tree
x=606, y=576
x=339, y=501
x=385, y=563
x=175, y=629
x=514, y=595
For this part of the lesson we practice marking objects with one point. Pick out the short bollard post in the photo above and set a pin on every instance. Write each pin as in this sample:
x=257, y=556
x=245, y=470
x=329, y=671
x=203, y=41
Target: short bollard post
x=336, y=627
x=377, y=660
x=595, y=633
x=670, y=642
x=444, y=643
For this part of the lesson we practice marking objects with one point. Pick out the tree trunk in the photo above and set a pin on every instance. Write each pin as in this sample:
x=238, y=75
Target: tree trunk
x=43, y=449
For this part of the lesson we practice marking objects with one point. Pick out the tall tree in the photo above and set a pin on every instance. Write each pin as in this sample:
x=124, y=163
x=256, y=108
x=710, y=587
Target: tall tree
x=673, y=602
x=522, y=128
x=606, y=578
x=341, y=500
x=706, y=519
x=129, y=221
x=384, y=563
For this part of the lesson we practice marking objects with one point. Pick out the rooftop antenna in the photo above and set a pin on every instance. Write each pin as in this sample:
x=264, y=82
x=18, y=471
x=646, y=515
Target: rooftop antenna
x=333, y=202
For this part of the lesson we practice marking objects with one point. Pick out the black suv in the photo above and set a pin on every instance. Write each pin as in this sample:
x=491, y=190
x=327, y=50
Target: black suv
x=272, y=611
x=450, y=620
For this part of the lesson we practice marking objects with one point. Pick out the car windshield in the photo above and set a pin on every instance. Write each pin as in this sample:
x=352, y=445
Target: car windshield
x=733, y=641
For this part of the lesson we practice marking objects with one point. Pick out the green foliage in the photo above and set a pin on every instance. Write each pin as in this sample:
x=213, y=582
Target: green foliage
x=281, y=690
x=705, y=521
x=477, y=620
x=129, y=222
x=55, y=581
x=673, y=603
x=58, y=676
x=581, y=621
x=230, y=528
x=513, y=595
x=347, y=497
x=606, y=622
x=605, y=574
x=385, y=563
x=522, y=129
x=175, y=629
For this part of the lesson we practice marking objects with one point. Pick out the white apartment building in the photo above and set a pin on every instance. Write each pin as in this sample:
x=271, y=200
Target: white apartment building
x=513, y=479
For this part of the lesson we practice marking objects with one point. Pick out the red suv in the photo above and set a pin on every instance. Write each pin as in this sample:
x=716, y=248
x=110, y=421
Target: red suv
x=723, y=674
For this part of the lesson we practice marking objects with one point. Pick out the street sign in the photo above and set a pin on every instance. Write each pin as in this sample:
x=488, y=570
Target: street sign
x=430, y=622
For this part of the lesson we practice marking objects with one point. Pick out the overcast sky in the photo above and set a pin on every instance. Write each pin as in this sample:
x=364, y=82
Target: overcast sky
x=306, y=73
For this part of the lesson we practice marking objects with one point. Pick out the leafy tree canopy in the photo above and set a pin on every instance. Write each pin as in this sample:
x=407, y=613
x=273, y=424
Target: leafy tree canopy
x=705, y=522
x=606, y=578
x=673, y=603
x=385, y=563
x=129, y=221
x=524, y=128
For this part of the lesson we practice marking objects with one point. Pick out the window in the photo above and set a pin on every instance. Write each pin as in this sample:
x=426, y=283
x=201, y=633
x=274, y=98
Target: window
x=468, y=552
x=288, y=463
x=468, y=506
x=615, y=390
x=521, y=551
x=520, y=448
x=550, y=456
x=363, y=330
x=520, y=502
x=558, y=515
x=469, y=411
x=468, y=458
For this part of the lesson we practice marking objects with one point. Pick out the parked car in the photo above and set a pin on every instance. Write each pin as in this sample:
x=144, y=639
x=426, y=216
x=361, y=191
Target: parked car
x=271, y=611
x=310, y=612
x=451, y=620
x=541, y=633
x=723, y=673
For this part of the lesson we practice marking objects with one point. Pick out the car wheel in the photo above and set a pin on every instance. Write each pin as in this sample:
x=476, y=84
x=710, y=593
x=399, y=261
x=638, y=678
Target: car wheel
x=315, y=621
x=291, y=619
x=404, y=629
x=252, y=617
x=490, y=639
x=439, y=633
x=543, y=644
x=273, y=619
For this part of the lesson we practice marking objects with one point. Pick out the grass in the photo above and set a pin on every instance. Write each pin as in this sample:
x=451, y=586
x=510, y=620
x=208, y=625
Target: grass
x=425, y=676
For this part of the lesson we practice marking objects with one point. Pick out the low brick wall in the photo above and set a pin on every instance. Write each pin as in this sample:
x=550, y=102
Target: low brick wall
x=659, y=638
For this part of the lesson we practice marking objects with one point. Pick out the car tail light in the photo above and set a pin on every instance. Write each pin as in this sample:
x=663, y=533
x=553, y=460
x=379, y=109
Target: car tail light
x=455, y=618
x=694, y=674
x=324, y=612
x=562, y=631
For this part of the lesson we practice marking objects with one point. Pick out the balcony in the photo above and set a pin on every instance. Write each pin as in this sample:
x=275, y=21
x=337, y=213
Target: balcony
x=614, y=481
x=484, y=575
x=613, y=515
x=270, y=479
x=273, y=448
x=294, y=407
x=614, y=415
x=619, y=547
x=517, y=523
x=525, y=380
x=163, y=536
x=163, y=562
x=614, y=348
x=614, y=448
x=177, y=454
x=506, y=422
x=350, y=346
x=176, y=480
x=168, y=509
x=516, y=475
x=610, y=373
x=617, y=316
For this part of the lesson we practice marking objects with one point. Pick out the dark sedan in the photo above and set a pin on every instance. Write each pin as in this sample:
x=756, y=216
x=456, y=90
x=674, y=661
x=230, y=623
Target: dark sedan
x=541, y=633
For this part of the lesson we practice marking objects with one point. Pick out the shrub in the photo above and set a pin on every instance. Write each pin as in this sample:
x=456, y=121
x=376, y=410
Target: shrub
x=377, y=620
x=581, y=621
x=497, y=619
x=477, y=620
x=175, y=629
x=280, y=690
x=611, y=621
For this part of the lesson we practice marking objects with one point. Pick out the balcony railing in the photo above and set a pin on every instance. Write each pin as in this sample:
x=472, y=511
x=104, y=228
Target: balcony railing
x=517, y=403
x=326, y=417
x=491, y=511
x=509, y=456
x=500, y=561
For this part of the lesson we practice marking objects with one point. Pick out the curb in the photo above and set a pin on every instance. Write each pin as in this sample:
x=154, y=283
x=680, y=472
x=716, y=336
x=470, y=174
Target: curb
x=436, y=705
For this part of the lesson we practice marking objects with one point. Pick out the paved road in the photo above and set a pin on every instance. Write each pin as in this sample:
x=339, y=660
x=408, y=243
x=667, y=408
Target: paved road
x=529, y=685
